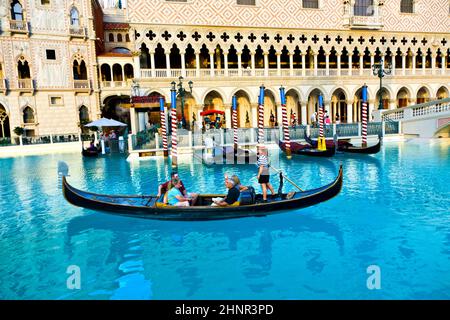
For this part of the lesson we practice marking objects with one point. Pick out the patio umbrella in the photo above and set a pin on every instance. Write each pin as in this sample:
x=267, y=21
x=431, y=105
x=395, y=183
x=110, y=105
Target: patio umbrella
x=104, y=122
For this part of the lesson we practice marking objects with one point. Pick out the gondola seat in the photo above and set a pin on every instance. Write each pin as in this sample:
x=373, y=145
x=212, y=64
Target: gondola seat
x=247, y=196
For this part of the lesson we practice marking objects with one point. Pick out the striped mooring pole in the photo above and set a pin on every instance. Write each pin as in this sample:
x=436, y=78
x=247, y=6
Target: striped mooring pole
x=163, y=126
x=173, y=98
x=364, y=116
x=321, y=145
x=261, y=116
x=234, y=120
x=286, y=136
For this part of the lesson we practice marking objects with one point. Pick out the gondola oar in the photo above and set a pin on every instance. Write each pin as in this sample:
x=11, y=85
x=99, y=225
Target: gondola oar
x=279, y=171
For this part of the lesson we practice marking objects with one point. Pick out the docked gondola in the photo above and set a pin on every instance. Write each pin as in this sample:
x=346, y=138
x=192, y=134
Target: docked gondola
x=152, y=207
x=344, y=145
x=90, y=153
x=307, y=150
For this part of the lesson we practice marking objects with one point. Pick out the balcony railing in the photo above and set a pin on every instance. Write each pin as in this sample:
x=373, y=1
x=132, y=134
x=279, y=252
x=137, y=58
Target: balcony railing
x=116, y=84
x=364, y=22
x=20, y=26
x=77, y=32
x=272, y=73
x=25, y=84
x=81, y=84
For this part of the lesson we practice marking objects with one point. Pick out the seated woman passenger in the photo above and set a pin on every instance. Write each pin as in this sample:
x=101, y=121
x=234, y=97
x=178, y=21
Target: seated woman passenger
x=238, y=184
x=175, y=197
x=232, y=196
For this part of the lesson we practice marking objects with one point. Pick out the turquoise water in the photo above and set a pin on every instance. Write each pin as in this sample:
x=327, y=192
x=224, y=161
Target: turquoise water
x=393, y=212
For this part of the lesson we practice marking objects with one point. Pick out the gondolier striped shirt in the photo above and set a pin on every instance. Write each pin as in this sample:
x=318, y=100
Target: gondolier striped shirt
x=263, y=161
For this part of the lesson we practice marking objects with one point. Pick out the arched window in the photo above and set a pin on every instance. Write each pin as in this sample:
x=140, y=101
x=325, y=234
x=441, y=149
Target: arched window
x=363, y=8
x=23, y=69
x=83, y=114
x=74, y=17
x=79, y=70
x=28, y=115
x=127, y=37
x=111, y=37
x=16, y=11
x=407, y=6
x=311, y=4
x=119, y=38
x=4, y=124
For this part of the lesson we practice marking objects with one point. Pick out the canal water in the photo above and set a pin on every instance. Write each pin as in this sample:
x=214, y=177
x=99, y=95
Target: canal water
x=393, y=213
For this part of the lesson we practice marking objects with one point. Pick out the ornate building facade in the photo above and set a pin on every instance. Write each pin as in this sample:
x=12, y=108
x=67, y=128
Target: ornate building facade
x=48, y=72
x=231, y=47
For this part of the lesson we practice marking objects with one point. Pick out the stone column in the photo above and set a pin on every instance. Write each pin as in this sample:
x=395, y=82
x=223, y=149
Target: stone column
x=303, y=64
x=413, y=64
x=152, y=62
x=291, y=64
x=123, y=72
x=372, y=59
x=361, y=64
x=183, y=64
x=370, y=111
x=404, y=63
x=168, y=70
x=444, y=63
x=393, y=64
x=254, y=107
x=225, y=61
x=239, y=55
x=392, y=104
x=349, y=112
x=433, y=63
x=304, y=114
x=327, y=63
x=278, y=54
x=350, y=66
x=338, y=64
x=252, y=55
x=424, y=57
x=211, y=64
x=136, y=67
x=133, y=120
x=266, y=64
x=315, y=64
x=197, y=64
x=227, y=115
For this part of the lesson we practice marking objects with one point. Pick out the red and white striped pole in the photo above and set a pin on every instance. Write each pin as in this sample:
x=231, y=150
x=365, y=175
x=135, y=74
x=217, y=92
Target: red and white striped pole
x=173, y=95
x=234, y=120
x=261, y=116
x=163, y=126
x=364, y=116
x=286, y=136
x=321, y=144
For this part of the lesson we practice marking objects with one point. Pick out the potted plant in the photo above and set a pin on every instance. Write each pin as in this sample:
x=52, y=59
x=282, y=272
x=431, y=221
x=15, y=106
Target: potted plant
x=19, y=131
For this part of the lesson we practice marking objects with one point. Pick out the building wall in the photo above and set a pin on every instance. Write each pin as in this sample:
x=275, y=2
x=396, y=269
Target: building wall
x=429, y=16
x=49, y=29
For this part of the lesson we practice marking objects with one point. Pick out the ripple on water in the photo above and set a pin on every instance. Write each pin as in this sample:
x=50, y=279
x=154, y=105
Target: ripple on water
x=393, y=212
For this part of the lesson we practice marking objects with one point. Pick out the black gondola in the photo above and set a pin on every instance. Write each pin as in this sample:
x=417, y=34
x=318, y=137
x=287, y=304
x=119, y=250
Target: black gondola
x=90, y=153
x=307, y=150
x=151, y=207
x=345, y=146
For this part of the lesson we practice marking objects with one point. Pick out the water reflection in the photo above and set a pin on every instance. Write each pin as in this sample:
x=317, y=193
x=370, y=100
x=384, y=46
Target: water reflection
x=194, y=251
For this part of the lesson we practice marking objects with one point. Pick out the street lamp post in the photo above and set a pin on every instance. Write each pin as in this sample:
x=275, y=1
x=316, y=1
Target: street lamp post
x=181, y=92
x=380, y=71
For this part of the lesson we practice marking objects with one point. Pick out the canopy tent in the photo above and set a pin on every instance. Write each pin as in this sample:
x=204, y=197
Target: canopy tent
x=208, y=112
x=104, y=122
